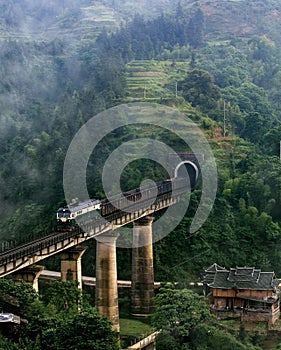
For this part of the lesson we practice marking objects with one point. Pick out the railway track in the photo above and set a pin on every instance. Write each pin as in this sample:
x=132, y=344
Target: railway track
x=96, y=225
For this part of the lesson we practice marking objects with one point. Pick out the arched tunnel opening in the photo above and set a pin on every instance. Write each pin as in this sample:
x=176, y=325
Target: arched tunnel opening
x=192, y=170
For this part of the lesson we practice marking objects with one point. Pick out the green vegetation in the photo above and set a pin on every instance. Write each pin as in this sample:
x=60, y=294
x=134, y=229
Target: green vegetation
x=133, y=330
x=60, y=318
x=219, y=62
x=153, y=79
x=36, y=132
x=184, y=321
x=79, y=79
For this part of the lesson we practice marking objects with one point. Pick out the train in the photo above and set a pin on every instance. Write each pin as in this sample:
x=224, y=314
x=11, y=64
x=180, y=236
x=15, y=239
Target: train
x=91, y=209
x=67, y=216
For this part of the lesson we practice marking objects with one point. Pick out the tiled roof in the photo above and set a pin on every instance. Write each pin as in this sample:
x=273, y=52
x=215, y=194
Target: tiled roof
x=240, y=278
x=245, y=274
x=211, y=271
x=215, y=267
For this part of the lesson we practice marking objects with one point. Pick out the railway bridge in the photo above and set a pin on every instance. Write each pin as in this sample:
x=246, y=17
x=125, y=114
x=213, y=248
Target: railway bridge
x=22, y=260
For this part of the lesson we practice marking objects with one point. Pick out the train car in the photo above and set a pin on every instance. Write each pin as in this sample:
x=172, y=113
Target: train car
x=113, y=204
x=84, y=211
x=90, y=209
x=120, y=201
x=84, y=208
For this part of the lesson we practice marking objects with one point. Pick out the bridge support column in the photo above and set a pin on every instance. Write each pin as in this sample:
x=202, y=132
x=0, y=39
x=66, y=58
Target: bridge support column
x=142, y=268
x=106, y=278
x=71, y=269
x=29, y=274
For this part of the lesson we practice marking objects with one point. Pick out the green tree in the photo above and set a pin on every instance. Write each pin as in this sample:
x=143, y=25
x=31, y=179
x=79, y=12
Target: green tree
x=48, y=329
x=7, y=344
x=206, y=337
x=195, y=29
x=86, y=330
x=199, y=89
x=252, y=98
x=23, y=292
x=56, y=323
x=255, y=127
x=242, y=335
x=271, y=141
x=63, y=295
x=184, y=321
x=177, y=312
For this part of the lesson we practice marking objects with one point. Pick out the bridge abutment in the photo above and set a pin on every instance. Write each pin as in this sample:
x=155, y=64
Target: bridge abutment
x=71, y=268
x=29, y=274
x=142, y=268
x=106, y=278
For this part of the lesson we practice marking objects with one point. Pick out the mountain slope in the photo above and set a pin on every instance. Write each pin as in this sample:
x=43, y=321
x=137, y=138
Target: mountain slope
x=242, y=18
x=85, y=19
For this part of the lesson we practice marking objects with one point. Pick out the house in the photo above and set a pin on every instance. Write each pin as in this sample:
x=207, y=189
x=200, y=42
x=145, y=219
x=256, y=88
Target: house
x=246, y=293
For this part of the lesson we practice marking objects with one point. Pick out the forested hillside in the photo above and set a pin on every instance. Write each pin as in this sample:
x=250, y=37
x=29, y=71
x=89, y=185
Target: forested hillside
x=219, y=63
x=63, y=62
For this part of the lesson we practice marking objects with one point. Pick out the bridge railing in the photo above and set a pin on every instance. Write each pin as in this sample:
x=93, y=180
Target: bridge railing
x=6, y=245
x=95, y=226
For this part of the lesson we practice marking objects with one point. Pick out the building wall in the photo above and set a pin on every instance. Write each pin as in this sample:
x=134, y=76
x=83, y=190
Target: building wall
x=232, y=293
x=234, y=308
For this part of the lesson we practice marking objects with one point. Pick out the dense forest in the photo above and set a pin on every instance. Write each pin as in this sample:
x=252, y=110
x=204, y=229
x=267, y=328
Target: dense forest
x=62, y=63
x=48, y=92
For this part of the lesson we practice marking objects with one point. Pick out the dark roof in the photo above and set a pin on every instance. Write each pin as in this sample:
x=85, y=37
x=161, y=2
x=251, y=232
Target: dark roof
x=215, y=267
x=244, y=274
x=211, y=271
x=240, y=278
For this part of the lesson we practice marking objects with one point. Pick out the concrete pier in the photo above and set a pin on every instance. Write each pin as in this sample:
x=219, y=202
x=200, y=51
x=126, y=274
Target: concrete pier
x=142, y=268
x=29, y=274
x=106, y=278
x=71, y=268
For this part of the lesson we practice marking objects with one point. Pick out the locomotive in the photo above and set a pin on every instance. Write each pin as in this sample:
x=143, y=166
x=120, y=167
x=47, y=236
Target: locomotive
x=88, y=210
x=66, y=216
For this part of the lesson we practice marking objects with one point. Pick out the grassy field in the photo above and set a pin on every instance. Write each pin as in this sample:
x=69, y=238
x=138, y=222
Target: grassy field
x=133, y=330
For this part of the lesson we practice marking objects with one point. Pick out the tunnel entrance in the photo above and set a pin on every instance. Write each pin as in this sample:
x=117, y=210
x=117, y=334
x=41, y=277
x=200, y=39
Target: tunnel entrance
x=192, y=170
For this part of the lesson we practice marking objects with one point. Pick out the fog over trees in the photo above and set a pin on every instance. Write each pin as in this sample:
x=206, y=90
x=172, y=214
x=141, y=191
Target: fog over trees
x=62, y=62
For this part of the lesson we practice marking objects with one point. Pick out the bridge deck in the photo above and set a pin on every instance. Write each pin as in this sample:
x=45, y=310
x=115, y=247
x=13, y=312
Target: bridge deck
x=32, y=252
x=88, y=281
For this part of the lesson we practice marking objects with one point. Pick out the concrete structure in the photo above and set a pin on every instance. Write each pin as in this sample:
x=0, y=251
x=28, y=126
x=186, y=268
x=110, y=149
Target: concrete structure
x=142, y=268
x=191, y=161
x=30, y=253
x=106, y=278
x=67, y=245
x=147, y=343
x=29, y=274
x=71, y=269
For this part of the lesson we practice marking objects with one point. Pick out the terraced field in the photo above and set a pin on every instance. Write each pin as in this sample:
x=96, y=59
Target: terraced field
x=154, y=79
x=90, y=22
x=72, y=24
